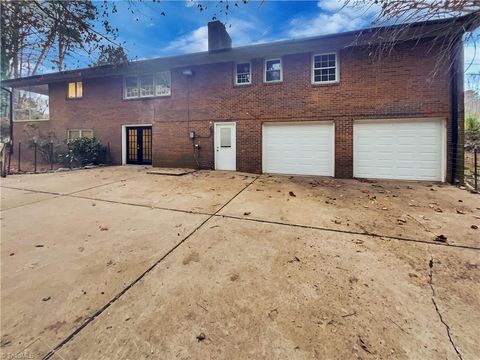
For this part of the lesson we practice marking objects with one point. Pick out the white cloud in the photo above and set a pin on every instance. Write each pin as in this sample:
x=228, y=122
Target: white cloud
x=241, y=31
x=195, y=41
x=333, y=17
x=330, y=5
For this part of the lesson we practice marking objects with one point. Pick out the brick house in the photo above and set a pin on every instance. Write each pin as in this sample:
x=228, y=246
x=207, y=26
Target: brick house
x=317, y=106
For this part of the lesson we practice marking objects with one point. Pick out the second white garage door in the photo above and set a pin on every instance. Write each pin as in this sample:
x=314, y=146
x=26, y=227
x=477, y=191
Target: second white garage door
x=298, y=148
x=399, y=149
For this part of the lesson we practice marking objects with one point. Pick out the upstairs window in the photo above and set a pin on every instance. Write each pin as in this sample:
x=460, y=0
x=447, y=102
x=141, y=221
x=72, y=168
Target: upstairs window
x=147, y=85
x=131, y=87
x=163, y=83
x=325, y=68
x=75, y=90
x=243, y=73
x=273, y=70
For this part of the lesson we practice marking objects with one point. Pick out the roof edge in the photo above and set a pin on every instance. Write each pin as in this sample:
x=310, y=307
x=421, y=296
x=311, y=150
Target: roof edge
x=472, y=21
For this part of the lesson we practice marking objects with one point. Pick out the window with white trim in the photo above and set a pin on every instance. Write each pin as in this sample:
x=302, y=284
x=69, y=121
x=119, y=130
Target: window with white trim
x=273, y=70
x=243, y=73
x=147, y=85
x=79, y=133
x=163, y=83
x=325, y=68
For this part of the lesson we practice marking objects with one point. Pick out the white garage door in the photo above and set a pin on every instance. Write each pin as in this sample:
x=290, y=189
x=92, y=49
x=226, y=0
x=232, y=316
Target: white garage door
x=295, y=148
x=399, y=149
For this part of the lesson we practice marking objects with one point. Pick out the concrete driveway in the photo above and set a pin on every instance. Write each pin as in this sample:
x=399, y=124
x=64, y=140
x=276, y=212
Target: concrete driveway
x=116, y=263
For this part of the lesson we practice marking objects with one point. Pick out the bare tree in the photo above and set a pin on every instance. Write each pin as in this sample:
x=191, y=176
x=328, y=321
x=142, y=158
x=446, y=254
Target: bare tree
x=40, y=33
x=464, y=16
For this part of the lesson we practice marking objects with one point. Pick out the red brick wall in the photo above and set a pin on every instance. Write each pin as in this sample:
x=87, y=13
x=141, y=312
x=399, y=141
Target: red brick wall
x=396, y=86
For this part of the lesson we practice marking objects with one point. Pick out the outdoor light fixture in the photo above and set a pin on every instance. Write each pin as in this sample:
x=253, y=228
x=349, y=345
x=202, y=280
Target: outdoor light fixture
x=187, y=72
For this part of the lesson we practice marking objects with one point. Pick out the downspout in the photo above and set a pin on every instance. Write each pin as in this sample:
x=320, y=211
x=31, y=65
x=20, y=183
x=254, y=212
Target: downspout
x=10, y=119
x=454, y=108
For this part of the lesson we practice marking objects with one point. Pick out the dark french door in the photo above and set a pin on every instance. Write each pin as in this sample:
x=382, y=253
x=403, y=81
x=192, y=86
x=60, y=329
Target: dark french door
x=139, y=145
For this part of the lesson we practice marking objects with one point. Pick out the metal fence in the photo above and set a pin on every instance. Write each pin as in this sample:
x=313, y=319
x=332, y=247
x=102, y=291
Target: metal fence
x=472, y=168
x=33, y=158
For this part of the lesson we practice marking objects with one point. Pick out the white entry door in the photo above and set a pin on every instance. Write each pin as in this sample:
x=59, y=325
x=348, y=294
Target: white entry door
x=399, y=149
x=225, y=146
x=300, y=148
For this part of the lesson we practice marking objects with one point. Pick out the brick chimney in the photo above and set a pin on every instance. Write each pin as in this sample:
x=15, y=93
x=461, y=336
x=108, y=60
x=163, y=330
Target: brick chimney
x=218, y=38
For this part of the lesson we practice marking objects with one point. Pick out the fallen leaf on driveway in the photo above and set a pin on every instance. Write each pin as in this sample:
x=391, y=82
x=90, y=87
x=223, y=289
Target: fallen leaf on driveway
x=273, y=314
x=440, y=238
x=363, y=345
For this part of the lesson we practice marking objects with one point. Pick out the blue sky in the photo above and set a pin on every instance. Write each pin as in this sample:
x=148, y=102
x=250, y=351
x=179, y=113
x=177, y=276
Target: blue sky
x=183, y=28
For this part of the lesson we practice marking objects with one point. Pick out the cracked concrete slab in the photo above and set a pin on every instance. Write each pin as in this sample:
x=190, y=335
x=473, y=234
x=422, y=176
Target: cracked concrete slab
x=392, y=208
x=202, y=191
x=64, y=258
x=455, y=283
x=254, y=289
x=262, y=290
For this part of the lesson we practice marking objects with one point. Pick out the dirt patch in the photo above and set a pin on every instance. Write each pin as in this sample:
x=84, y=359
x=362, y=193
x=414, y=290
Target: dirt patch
x=422, y=211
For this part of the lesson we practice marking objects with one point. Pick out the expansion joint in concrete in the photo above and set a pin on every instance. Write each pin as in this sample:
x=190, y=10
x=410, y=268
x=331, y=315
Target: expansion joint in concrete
x=138, y=279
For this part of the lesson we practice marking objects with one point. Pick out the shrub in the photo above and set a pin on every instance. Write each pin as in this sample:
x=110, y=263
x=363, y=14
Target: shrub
x=44, y=149
x=472, y=131
x=83, y=151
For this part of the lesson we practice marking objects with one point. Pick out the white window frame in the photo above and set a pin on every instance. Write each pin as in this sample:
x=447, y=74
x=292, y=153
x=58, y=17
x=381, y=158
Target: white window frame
x=137, y=77
x=169, y=75
x=236, y=73
x=125, y=87
x=80, y=131
x=139, y=85
x=337, y=69
x=265, y=71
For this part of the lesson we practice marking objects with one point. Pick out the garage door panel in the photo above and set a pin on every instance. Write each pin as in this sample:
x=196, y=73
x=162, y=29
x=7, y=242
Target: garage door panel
x=305, y=149
x=407, y=150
